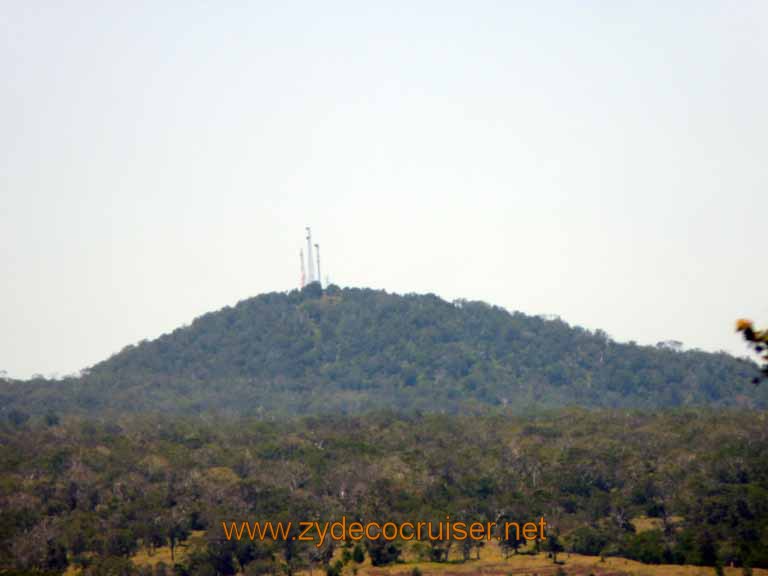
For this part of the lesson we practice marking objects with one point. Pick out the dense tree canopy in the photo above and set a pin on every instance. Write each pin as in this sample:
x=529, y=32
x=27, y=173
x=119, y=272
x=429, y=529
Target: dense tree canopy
x=678, y=487
x=351, y=350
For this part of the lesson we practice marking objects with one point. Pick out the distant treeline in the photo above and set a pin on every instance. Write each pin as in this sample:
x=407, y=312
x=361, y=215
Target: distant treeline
x=91, y=493
x=348, y=351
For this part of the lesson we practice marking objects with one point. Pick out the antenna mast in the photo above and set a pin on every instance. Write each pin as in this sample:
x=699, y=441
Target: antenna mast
x=310, y=264
x=319, y=277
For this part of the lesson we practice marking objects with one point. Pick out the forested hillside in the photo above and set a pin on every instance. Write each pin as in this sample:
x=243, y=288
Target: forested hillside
x=680, y=487
x=352, y=350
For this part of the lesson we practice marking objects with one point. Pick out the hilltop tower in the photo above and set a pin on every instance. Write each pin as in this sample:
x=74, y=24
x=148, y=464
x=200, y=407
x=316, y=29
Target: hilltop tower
x=309, y=273
x=310, y=264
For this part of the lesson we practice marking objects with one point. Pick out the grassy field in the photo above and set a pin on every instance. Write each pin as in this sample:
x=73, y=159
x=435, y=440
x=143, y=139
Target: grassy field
x=541, y=565
x=491, y=563
x=145, y=558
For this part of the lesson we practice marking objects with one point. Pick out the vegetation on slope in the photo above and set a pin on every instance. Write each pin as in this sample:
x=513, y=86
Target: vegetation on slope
x=688, y=487
x=352, y=350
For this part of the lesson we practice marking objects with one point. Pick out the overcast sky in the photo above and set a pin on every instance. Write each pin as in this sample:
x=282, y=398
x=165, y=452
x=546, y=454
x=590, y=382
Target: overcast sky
x=604, y=161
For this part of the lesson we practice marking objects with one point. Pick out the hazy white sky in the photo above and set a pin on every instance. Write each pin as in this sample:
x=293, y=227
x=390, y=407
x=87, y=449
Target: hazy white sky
x=606, y=161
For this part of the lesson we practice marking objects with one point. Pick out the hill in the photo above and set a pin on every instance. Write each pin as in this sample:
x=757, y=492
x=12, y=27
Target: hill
x=682, y=487
x=351, y=350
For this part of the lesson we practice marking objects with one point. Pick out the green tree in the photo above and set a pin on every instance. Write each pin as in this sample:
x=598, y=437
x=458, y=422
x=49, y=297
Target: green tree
x=553, y=546
x=358, y=553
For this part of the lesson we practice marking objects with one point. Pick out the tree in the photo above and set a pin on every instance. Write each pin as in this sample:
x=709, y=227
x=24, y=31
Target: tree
x=154, y=536
x=511, y=543
x=221, y=557
x=18, y=418
x=587, y=540
x=175, y=531
x=121, y=543
x=707, y=549
x=758, y=341
x=554, y=546
x=57, y=556
x=466, y=549
x=334, y=569
x=382, y=552
x=358, y=553
x=51, y=418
